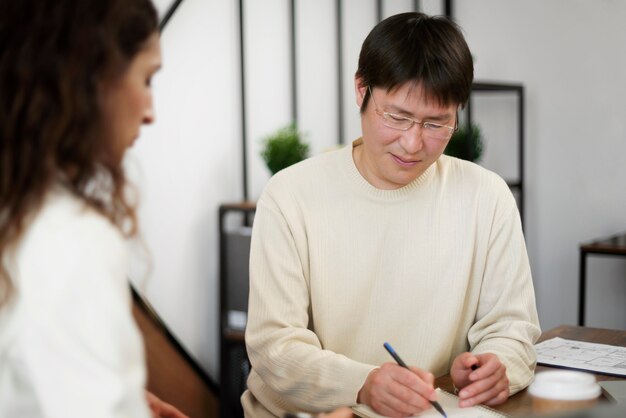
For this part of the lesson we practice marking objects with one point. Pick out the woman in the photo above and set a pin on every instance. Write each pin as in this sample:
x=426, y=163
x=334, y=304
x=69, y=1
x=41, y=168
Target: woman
x=75, y=89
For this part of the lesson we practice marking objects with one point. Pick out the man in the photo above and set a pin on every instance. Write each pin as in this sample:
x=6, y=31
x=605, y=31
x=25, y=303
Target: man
x=389, y=240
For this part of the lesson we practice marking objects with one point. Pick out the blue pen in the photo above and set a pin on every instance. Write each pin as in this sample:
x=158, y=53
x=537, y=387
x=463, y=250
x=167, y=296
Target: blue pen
x=397, y=358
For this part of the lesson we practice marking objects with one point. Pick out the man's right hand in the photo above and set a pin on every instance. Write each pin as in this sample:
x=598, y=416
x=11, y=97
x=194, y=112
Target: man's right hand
x=338, y=413
x=394, y=391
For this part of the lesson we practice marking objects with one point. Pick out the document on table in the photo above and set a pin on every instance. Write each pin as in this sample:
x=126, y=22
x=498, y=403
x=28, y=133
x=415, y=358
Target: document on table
x=449, y=403
x=599, y=358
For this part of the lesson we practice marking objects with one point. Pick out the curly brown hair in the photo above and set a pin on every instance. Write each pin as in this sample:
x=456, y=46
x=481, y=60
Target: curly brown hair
x=54, y=57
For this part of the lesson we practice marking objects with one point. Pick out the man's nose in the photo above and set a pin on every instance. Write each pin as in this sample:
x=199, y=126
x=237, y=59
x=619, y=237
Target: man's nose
x=412, y=140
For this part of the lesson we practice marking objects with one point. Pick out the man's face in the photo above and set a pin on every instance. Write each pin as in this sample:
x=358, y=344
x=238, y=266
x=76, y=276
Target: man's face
x=391, y=158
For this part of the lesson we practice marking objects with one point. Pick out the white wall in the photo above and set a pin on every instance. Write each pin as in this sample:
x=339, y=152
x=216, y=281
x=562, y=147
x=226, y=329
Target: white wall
x=163, y=6
x=569, y=54
x=189, y=163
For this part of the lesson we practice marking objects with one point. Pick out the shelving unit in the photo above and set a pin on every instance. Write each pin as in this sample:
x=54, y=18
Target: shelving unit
x=518, y=89
x=613, y=246
x=234, y=254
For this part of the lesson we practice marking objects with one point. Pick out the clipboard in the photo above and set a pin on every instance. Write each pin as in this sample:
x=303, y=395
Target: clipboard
x=449, y=403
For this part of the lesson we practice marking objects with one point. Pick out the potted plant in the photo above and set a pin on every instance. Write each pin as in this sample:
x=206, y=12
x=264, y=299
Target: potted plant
x=284, y=148
x=466, y=144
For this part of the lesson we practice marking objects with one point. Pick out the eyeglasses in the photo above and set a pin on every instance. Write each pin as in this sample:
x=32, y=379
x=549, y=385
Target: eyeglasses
x=430, y=130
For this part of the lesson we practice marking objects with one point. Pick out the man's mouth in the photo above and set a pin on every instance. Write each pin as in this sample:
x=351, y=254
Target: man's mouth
x=404, y=162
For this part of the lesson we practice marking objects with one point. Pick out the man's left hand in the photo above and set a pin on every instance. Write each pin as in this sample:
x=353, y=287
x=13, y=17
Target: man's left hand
x=481, y=378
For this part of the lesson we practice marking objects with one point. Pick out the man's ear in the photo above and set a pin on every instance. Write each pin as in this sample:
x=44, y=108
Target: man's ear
x=360, y=90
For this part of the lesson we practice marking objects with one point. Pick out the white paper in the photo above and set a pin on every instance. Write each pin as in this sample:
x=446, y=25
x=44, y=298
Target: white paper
x=601, y=358
x=450, y=405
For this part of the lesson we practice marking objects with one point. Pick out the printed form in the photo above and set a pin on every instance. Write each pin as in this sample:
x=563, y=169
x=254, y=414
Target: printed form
x=571, y=354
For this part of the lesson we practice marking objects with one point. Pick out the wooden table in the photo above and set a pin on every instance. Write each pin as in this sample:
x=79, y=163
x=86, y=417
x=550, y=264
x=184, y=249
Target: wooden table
x=520, y=403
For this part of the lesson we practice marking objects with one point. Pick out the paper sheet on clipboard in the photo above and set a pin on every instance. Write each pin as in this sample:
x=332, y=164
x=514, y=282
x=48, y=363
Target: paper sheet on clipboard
x=449, y=403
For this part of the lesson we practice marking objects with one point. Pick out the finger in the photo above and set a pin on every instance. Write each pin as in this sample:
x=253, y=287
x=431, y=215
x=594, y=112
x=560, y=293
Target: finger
x=338, y=413
x=470, y=360
x=426, y=387
x=494, y=396
x=398, y=389
x=499, y=399
x=394, y=408
x=170, y=411
x=386, y=396
x=485, y=391
x=486, y=365
x=426, y=376
x=417, y=380
x=483, y=384
x=402, y=397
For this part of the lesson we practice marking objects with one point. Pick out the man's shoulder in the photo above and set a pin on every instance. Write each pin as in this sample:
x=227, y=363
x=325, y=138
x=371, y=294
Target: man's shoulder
x=468, y=173
x=312, y=170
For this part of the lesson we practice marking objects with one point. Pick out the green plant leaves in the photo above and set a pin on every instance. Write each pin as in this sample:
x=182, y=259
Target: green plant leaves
x=459, y=146
x=284, y=148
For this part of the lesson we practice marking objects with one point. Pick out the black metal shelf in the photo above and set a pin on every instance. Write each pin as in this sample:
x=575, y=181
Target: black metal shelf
x=518, y=90
x=234, y=364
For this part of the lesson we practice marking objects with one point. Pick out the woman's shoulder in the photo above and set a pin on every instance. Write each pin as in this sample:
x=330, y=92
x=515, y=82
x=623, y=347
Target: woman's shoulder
x=66, y=223
x=68, y=245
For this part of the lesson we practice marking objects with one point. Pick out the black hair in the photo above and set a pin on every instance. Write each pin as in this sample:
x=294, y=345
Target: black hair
x=425, y=50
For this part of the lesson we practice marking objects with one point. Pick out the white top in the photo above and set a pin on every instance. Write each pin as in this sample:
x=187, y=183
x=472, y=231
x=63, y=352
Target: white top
x=69, y=346
x=338, y=267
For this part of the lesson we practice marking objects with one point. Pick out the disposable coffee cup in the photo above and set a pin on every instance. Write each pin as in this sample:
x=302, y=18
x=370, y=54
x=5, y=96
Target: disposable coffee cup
x=563, y=390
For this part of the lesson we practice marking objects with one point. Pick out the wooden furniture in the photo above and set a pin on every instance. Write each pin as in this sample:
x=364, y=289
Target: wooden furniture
x=520, y=403
x=173, y=375
x=611, y=246
x=233, y=284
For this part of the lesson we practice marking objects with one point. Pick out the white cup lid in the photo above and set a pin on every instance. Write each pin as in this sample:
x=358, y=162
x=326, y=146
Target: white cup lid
x=566, y=385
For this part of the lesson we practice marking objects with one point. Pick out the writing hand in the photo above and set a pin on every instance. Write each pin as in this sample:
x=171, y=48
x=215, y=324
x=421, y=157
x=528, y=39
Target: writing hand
x=485, y=382
x=394, y=391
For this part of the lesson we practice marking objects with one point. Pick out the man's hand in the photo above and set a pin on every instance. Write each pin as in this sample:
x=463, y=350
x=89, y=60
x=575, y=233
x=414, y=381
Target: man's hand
x=338, y=413
x=394, y=391
x=481, y=378
x=160, y=409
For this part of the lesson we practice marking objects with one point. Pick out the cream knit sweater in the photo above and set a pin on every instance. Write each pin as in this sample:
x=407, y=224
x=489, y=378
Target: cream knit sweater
x=338, y=267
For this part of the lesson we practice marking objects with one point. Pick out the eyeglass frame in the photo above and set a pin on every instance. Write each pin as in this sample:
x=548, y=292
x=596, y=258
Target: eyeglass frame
x=414, y=122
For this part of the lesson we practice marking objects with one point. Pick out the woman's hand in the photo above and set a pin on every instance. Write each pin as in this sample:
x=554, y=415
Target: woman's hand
x=160, y=409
